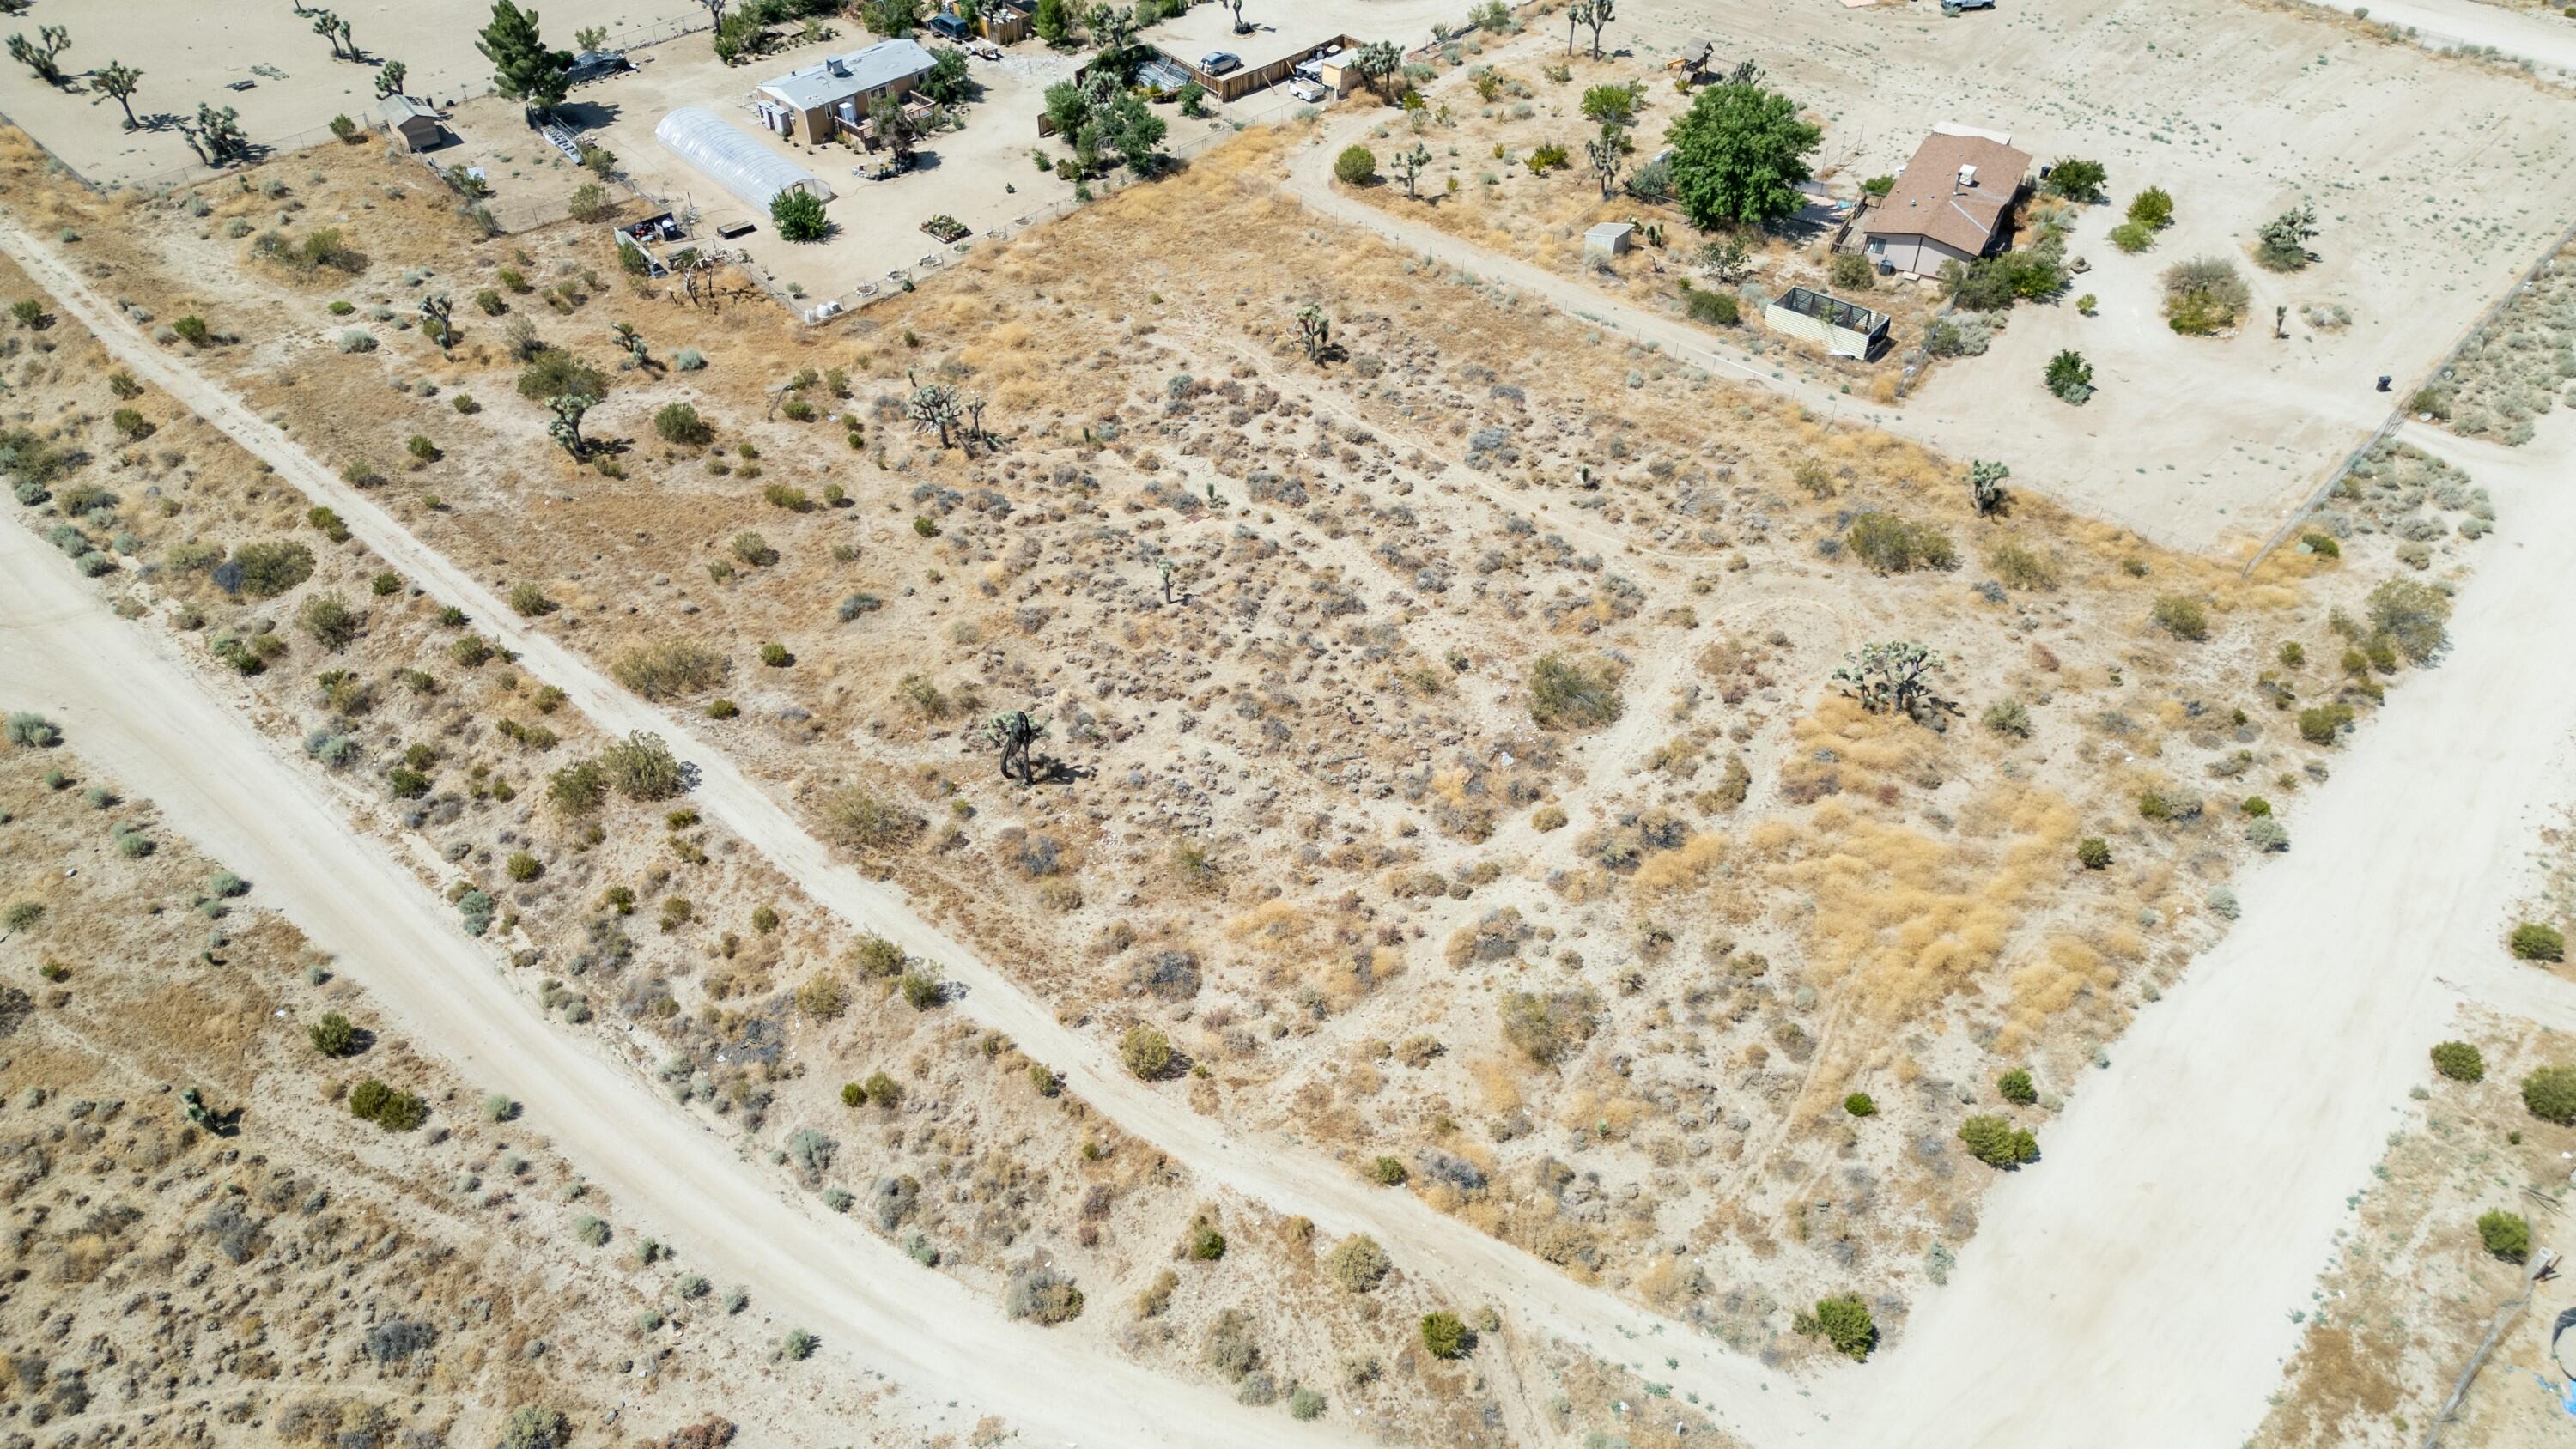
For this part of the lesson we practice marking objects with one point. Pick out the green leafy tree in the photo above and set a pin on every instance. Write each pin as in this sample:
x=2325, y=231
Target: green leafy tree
x=1053, y=23
x=1356, y=166
x=799, y=217
x=1610, y=103
x=2077, y=180
x=523, y=69
x=2152, y=208
x=1134, y=132
x=116, y=80
x=948, y=82
x=1445, y=1335
x=1739, y=154
x=2550, y=1093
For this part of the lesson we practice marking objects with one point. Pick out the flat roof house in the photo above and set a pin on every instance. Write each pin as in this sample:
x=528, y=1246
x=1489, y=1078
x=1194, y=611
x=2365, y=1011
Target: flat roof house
x=1954, y=203
x=809, y=105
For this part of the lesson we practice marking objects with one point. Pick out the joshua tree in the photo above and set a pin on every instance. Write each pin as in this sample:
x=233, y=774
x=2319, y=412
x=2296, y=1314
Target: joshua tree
x=1893, y=676
x=566, y=428
x=119, y=80
x=633, y=341
x=193, y=1102
x=435, y=312
x=935, y=408
x=43, y=56
x=327, y=25
x=973, y=406
x=1593, y=13
x=1411, y=163
x=389, y=78
x=1114, y=27
x=1315, y=330
x=1379, y=63
x=892, y=126
x=1986, y=484
x=1609, y=151
x=1237, y=7
x=1166, y=568
x=216, y=135
x=1013, y=732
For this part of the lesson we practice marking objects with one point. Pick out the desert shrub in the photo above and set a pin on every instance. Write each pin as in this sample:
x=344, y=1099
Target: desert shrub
x=529, y=601
x=679, y=423
x=1860, y=1104
x=1204, y=1244
x=1712, y=309
x=811, y=1150
x=2133, y=237
x=799, y=216
x=1547, y=1028
x=1304, y=1403
x=2507, y=1235
x=2152, y=207
x=882, y=1090
x=330, y=620
x=2019, y=566
x=1844, y=1322
x=1893, y=544
x=1356, y=166
x=387, y=1107
x=1444, y=1335
x=861, y=821
x=1044, y=1295
x=922, y=990
x=797, y=1346
x=2009, y=717
x=590, y=1230
x=2093, y=852
x=579, y=788
x=1849, y=272
x=553, y=373
x=589, y=202
x=1387, y=1171
x=270, y=567
x=2415, y=616
x=2017, y=1088
x=474, y=911
x=641, y=767
x=672, y=667
x=2182, y=616
x=2070, y=377
x=1147, y=1052
x=33, y=731
x=333, y=1036
x=535, y=1428
x=523, y=867
x=2532, y=941
x=2204, y=295
x=2550, y=1093
x=2076, y=179
x=2460, y=1062
x=1997, y=1143
x=1358, y=1263
x=1583, y=694
x=2319, y=724
x=2267, y=834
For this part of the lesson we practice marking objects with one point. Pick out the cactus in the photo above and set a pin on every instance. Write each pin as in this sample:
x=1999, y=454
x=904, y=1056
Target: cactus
x=1986, y=484
x=1894, y=676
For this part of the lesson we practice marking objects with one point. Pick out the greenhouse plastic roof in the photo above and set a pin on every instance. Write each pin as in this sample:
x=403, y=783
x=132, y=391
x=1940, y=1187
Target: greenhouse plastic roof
x=733, y=158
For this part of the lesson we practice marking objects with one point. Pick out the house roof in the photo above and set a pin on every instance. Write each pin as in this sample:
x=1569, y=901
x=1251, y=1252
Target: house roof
x=820, y=85
x=1929, y=201
x=398, y=109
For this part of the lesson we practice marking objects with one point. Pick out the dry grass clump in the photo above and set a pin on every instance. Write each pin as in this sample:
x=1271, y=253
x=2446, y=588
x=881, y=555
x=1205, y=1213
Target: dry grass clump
x=1577, y=694
x=669, y=668
x=863, y=821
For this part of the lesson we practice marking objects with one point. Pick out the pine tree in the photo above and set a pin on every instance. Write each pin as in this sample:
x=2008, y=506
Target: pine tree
x=522, y=68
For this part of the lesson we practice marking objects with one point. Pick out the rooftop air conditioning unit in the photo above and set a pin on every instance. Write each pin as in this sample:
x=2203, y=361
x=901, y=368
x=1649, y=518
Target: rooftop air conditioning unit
x=1967, y=176
x=834, y=65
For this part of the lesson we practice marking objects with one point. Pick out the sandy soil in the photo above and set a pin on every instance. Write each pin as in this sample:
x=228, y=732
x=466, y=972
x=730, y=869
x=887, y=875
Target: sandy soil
x=2123, y=1264
x=189, y=53
x=219, y=784
x=1271, y=1171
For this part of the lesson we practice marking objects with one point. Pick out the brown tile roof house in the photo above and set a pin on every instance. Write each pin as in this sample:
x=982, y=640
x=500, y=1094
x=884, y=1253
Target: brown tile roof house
x=1951, y=203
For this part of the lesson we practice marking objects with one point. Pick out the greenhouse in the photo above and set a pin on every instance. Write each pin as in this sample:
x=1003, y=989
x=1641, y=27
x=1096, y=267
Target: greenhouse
x=734, y=159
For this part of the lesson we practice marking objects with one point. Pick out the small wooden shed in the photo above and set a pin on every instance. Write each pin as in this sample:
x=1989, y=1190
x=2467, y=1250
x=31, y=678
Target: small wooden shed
x=410, y=122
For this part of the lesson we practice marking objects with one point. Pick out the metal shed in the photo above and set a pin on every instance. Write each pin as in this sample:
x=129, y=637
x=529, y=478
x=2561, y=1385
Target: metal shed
x=733, y=159
x=410, y=122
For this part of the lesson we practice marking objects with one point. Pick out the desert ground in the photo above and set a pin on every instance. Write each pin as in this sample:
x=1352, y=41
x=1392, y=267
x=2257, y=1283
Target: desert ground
x=1454, y=898
x=193, y=54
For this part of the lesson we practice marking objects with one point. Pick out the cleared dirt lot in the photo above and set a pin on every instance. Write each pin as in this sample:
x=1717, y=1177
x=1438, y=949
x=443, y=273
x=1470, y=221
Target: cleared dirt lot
x=190, y=52
x=2237, y=111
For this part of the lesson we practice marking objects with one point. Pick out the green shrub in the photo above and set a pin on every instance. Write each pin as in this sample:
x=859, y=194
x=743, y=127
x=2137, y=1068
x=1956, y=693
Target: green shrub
x=270, y=567
x=1387, y=1172
x=330, y=620
x=642, y=767
x=1894, y=545
x=2507, y=1235
x=2532, y=941
x=2133, y=237
x=554, y=373
x=1845, y=1323
x=2550, y=1093
x=1356, y=166
x=2318, y=724
x=392, y=1110
x=2070, y=377
x=2076, y=179
x=1858, y=1104
x=33, y=731
x=2204, y=295
x=1579, y=695
x=1849, y=272
x=1444, y=1335
x=2093, y=852
x=2183, y=617
x=1712, y=309
x=2152, y=208
x=799, y=217
x=2414, y=616
x=679, y=423
x=1358, y=1263
x=333, y=1036
x=1205, y=1244
x=922, y=991
x=2017, y=1088
x=1147, y=1053
x=671, y=667
x=2460, y=1062
x=1997, y=1143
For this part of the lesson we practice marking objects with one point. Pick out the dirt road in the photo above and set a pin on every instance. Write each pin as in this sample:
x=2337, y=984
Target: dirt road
x=137, y=712
x=1736, y=1390
x=2134, y=1286
x=2535, y=37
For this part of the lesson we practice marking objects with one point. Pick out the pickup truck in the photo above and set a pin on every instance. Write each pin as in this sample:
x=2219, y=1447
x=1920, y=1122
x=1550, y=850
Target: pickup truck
x=1954, y=7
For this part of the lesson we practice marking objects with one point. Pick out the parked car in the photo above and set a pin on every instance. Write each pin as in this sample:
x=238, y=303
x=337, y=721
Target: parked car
x=949, y=26
x=1218, y=62
x=1307, y=91
x=1953, y=7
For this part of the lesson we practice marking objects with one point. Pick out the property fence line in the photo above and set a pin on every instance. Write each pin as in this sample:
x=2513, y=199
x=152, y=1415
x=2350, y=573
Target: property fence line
x=2404, y=409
